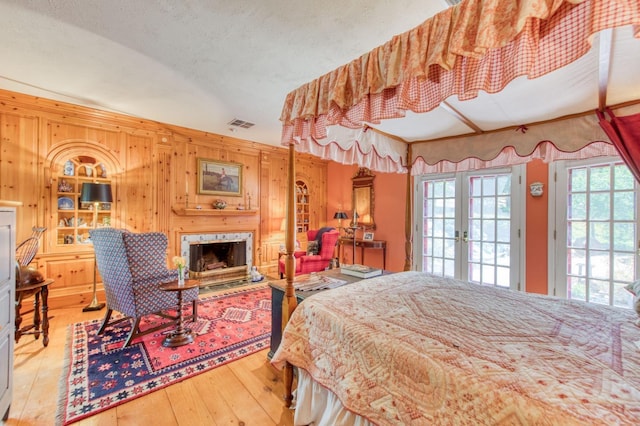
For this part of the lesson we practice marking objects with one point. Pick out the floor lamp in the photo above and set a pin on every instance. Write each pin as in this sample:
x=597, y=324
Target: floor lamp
x=95, y=193
x=354, y=228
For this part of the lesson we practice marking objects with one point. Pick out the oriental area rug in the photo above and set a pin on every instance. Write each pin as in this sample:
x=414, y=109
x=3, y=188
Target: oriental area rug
x=100, y=374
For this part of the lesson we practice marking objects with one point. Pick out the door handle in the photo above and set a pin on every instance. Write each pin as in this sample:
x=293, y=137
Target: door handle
x=457, y=236
x=465, y=236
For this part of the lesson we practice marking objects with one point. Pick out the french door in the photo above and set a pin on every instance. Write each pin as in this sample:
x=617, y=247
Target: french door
x=470, y=226
x=596, y=231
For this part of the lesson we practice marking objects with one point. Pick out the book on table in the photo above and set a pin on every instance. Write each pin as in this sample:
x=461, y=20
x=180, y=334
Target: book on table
x=318, y=282
x=360, y=271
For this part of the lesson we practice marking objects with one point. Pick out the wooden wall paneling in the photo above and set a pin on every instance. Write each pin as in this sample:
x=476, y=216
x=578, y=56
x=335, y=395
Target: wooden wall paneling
x=273, y=185
x=183, y=174
x=137, y=189
x=64, y=132
x=21, y=164
x=73, y=275
x=164, y=181
x=149, y=163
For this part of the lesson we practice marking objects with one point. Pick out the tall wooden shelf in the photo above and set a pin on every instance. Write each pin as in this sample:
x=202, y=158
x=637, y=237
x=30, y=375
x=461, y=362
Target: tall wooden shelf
x=302, y=206
x=74, y=219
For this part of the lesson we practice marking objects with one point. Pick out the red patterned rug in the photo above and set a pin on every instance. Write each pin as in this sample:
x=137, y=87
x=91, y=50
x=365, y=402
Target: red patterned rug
x=99, y=374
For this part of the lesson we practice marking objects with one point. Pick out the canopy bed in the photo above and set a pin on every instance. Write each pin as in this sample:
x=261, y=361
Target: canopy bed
x=472, y=48
x=410, y=348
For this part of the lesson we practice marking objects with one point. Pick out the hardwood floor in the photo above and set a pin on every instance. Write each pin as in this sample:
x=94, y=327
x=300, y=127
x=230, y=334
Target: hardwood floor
x=245, y=392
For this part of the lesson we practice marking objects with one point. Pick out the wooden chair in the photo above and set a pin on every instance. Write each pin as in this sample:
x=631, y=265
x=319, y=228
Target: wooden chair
x=30, y=282
x=27, y=250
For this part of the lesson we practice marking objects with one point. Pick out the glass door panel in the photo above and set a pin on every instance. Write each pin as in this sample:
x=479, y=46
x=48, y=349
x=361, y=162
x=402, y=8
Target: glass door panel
x=439, y=227
x=601, y=232
x=467, y=227
x=489, y=219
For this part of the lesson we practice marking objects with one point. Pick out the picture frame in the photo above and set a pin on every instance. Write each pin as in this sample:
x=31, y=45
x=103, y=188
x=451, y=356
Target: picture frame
x=219, y=177
x=367, y=236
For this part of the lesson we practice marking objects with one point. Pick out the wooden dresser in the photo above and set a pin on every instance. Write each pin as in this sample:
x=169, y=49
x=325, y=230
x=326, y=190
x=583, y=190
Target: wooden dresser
x=7, y=300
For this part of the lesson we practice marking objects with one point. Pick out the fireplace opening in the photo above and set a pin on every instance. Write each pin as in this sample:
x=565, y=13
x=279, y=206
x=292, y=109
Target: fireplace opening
x=211, y=256
x=218, y=258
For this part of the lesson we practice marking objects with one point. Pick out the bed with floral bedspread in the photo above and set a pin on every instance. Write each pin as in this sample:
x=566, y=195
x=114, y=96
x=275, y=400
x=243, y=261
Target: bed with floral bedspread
x=411, y=348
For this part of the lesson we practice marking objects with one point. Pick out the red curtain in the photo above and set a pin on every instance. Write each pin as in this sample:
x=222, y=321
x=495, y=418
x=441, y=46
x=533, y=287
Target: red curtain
x=624, y=132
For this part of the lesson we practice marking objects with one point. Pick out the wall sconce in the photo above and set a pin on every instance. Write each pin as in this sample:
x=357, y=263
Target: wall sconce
x=536, y=189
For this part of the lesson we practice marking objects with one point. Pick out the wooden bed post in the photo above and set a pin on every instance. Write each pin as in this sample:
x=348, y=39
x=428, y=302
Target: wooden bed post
x=290, y=302
x=408, y=214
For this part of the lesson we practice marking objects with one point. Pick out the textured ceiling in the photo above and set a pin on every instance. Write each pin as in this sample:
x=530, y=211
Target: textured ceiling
x=200, y=64
x=197, y=64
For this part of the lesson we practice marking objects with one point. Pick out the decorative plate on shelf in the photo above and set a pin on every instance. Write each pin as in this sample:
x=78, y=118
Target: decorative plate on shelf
x=65, y=203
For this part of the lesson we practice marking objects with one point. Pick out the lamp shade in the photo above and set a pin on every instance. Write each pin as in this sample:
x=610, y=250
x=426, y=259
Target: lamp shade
x=96, y=193
x=340, y=215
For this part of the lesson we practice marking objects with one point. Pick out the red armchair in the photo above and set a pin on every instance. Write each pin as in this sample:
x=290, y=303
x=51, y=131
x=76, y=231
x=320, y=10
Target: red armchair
x=305, y=263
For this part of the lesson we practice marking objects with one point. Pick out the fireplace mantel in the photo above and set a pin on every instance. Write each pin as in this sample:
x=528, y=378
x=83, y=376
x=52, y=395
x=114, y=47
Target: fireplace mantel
x=181, y=211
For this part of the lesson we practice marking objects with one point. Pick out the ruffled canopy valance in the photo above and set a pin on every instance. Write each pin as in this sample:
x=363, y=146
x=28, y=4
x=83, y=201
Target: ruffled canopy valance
x=567, y=139
x=477, y=45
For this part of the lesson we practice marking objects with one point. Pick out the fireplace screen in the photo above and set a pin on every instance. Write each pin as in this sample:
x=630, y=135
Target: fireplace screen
x=217, y=255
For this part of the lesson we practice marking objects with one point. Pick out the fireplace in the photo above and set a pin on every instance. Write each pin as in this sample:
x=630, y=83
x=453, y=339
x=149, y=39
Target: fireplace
x=218, y=258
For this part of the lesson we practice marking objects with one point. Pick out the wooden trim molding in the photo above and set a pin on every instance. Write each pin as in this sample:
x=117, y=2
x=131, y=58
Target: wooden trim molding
x=181, y=211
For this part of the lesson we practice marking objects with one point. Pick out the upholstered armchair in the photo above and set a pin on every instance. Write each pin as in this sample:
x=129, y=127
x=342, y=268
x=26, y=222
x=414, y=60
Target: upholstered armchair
x=307, y=263
x=132, y=266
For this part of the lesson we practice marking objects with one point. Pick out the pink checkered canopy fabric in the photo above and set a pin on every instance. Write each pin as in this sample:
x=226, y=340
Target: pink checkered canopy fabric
x=479, y=45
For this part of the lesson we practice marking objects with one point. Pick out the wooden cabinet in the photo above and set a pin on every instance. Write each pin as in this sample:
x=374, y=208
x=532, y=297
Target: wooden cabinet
x=302, y=206
x=7, y=300
x=277, y=295
x=73, y=218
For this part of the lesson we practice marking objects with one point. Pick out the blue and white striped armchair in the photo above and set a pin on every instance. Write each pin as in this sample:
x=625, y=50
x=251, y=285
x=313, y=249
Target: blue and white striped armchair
x=132, y=267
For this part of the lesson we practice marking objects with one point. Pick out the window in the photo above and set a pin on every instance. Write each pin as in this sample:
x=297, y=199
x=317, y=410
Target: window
x=596, y=225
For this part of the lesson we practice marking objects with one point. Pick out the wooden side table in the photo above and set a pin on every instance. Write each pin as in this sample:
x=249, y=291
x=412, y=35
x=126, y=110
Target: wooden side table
x=364, y=244
x=181, y=335
x=40, y=292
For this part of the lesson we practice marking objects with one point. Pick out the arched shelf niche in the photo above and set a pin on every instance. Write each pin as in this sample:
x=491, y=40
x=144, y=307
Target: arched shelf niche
x=69, y=165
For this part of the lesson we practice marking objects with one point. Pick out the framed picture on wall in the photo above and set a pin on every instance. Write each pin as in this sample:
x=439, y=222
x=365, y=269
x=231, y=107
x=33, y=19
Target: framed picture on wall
x=367, y=236
x=219, y=177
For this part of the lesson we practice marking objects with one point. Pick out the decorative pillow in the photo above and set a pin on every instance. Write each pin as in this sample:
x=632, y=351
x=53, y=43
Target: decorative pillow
x=312, y=247
x=634, y=288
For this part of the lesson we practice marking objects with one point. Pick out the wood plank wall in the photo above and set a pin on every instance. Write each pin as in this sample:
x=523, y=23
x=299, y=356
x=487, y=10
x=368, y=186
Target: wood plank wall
x=152, y=166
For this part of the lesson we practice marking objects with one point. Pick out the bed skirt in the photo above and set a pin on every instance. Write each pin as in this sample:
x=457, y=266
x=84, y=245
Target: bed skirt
x=318, y=406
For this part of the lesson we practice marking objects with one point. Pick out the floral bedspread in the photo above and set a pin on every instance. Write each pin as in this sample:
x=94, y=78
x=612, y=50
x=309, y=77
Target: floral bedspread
x=410, y=348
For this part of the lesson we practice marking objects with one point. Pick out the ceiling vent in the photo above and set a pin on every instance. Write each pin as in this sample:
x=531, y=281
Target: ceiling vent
x=241, y=123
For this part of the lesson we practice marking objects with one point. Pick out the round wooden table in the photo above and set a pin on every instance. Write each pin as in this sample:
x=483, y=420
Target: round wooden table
x=181, y=335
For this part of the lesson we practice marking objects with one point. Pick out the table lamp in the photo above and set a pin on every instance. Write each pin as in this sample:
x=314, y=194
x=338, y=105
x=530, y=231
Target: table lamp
x=95, y=193
x=340, y=215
